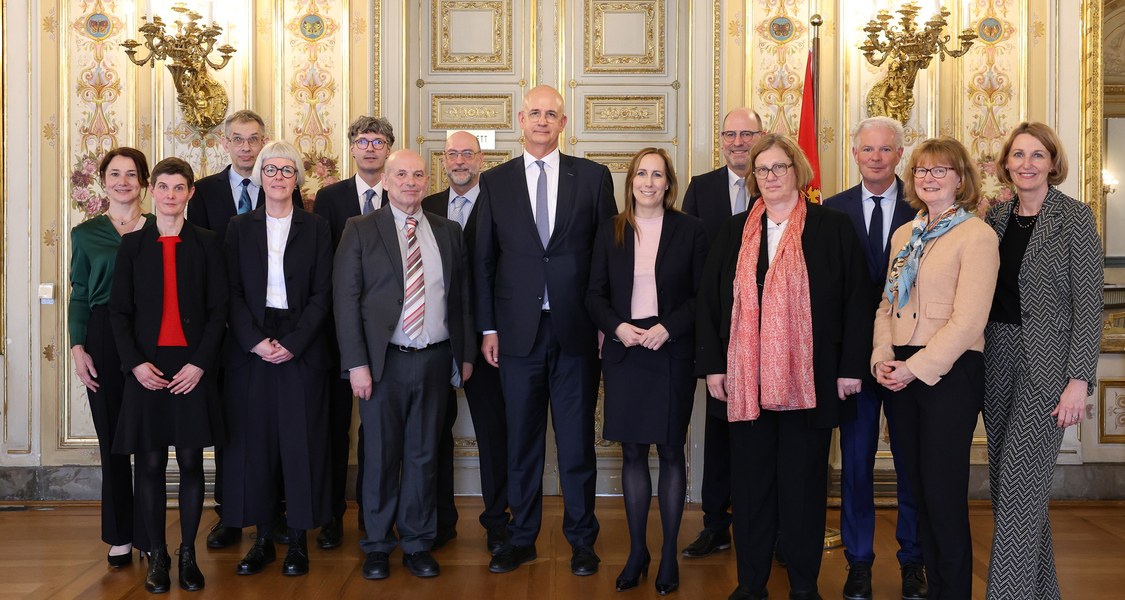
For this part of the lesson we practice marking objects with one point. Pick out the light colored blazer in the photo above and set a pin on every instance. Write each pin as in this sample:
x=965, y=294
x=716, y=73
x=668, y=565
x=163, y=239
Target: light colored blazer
x=1061, y=280
x=949, y=303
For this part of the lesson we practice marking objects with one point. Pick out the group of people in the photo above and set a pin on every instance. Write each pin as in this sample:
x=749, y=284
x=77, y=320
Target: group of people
x=233, y=318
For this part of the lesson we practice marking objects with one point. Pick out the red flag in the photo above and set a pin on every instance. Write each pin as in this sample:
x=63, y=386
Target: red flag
x=806, y=135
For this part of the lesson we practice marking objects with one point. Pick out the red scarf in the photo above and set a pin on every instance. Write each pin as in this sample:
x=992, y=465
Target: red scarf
x=777, y=357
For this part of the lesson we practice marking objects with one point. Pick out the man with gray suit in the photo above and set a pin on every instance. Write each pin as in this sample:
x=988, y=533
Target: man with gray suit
x=403, y=324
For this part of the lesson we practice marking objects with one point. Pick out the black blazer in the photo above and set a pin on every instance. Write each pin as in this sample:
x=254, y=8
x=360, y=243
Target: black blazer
x=136, y=302
x=838, y=291
x=339, y=202
x=511, y=266
x=680, y=255
x=308, y=286
x=708, y=198
x=367, y=286
x=850, y=202
x=213, y=205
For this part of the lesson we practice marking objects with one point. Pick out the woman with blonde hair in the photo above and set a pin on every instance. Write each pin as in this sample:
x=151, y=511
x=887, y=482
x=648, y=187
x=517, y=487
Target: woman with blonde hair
x=929, y=335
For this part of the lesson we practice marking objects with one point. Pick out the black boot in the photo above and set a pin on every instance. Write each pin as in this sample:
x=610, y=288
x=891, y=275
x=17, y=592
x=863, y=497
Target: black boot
x=191, y=579
x=260, y=554
x=157, y=580
x=297, y=558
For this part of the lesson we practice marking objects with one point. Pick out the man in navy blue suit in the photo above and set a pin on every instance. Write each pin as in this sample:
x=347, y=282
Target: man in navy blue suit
x=877, y=209
x=713, y=197
x=538, y=215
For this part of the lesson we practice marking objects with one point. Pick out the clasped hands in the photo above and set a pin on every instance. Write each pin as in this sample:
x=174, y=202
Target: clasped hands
x=272, y=351
x=894, y=375
x=183, y=382
x=631, y=335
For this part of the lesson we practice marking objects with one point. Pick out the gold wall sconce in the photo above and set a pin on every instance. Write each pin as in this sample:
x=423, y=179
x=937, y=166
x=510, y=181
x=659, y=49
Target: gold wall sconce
x=908, y=49
x=1109, y=183
x=202, y=99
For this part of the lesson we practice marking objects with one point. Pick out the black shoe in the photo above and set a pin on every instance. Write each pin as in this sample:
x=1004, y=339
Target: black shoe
x=628, y=581
x=376, y=566
x=664, y=589
x=497, y=537
x=157, y=580
x=261, y=554
x=331, y=535
x=119, y=560
x=858, y=584
x=296, y=560
x=708, y=542
x=914, y=583
x=281, y=531
x=443, y=537
x=222, y=536
x=510, y=557
x=668, y=577
x=742, y=593
x=421, y=564
x=584, y=561
x=191, y=579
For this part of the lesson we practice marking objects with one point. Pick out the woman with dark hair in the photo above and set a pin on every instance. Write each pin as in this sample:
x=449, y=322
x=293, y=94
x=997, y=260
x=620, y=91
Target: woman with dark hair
x=783, y=332
x=276, y=363
x=645, y=272
x=1040, y=353
x=168, y=308
x=929, y=335
x=124, y=175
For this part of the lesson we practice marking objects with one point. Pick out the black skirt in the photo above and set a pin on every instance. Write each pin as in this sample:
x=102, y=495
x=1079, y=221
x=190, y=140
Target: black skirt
x=648, y=394
x=156, y=419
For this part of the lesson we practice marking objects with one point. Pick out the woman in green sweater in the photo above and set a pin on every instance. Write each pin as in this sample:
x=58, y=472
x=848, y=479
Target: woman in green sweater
x=124, y=175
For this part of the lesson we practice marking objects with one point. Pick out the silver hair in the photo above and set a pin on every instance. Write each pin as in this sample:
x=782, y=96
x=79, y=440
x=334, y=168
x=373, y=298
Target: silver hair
x=885, y=122
x=278, y=149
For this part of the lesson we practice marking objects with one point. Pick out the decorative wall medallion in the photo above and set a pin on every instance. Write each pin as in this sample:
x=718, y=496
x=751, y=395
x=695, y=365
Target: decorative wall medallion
x=471, y=36
x=1111, y=399
x=625, y=113
x=312, y=27
x=616, y=162
x=624, y=37
x=781, y=29
x=98, y=26
x=312, y=92
x=471, y=111
x=990, y=30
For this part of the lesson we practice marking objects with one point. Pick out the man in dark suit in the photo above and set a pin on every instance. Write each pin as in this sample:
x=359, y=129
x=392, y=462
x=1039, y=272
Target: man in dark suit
x=714, y=197
x=218, y=197
x=404, y=325
x=370, y=139
x=876, y=209
x=462, y=163
x=535, y=233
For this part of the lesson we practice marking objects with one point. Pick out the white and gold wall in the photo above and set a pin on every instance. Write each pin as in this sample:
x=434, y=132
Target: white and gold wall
x=634, y=73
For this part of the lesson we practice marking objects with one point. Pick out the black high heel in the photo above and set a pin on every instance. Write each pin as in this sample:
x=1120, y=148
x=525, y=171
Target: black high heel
x=119, y=560
x=664, y=588
x=628, y=583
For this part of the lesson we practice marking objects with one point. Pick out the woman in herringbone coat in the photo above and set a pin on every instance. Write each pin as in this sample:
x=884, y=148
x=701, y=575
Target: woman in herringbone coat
x=1041, y=352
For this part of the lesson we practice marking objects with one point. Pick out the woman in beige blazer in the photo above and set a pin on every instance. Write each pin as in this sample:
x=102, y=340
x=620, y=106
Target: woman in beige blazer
x=928, y=343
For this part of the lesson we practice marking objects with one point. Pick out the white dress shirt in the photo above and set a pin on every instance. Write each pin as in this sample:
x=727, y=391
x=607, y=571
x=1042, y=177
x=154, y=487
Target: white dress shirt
x=277, y=235
x=434, y=325
x=774, y=231
x=732, y=189
x=471, y=196
x=887, y=205
x=361, y=188
x=551, y=167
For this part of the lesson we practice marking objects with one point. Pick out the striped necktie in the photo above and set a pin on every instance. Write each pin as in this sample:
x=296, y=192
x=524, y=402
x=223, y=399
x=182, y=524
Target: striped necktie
x=368, y=206
x=244, y=198
x=414, y=307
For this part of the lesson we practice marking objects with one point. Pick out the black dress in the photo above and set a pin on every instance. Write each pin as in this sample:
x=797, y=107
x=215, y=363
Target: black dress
x=648, y=394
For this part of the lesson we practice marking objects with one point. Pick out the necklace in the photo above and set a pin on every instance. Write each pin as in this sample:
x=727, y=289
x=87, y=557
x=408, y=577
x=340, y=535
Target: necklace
x=128, y=221
x=1023, y=222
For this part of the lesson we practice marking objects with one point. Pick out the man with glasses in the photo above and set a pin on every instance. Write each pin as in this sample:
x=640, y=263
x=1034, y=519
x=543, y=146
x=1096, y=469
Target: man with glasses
x=714, y=197
x=217, y=198
x=877, y=209
x=462, y=163
x=370, y=140
x=539, y=213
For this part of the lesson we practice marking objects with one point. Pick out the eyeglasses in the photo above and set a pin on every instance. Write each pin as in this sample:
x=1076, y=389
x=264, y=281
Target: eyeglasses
x=286, y=171
x=465, y=154
x=731, y=135
x=238, y=141
x=550, y=116
x=937, y=172
x=780, y=169
x=363, y=143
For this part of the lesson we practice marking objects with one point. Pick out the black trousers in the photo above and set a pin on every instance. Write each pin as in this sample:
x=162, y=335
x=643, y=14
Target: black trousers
x=339, y=440
x=934, y=428
x=120, y=523
x=715, y=492
x=486, y=408
x=781, y=483
x=548, y=378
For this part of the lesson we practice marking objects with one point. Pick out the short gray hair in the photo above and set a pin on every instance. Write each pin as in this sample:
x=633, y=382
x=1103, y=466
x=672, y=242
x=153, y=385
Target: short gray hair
x=376, y=125
x=885, y=122
x=243, y=116
x=279, y=149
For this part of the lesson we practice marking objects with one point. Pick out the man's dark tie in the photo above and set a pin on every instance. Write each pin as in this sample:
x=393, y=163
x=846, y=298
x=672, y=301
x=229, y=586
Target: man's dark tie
x=244, y=198
x=875, y=237
x=368, y=205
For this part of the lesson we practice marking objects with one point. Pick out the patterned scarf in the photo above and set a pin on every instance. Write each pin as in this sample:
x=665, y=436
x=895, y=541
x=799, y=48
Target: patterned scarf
x=774, y=357
x=904, y=266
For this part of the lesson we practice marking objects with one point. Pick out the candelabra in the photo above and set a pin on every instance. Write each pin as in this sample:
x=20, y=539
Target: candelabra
x=908, y=49
x=202, y=99
x=1109, y=183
